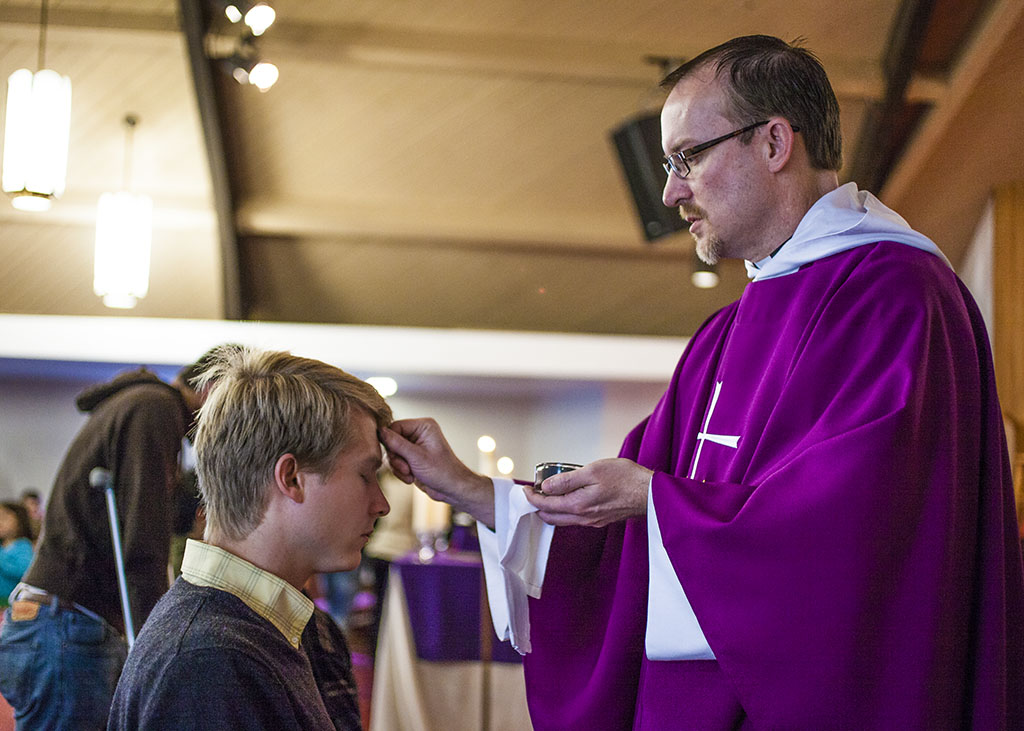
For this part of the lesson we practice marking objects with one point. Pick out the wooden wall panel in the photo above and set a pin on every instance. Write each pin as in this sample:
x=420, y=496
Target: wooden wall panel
x=1008, y=327
x=1008, y=301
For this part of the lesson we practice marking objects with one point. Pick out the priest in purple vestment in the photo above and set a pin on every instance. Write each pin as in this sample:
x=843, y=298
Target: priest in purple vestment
x=815, y=526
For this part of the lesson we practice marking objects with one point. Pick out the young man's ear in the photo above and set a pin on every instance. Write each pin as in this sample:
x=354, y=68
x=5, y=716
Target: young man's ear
x=287, y=478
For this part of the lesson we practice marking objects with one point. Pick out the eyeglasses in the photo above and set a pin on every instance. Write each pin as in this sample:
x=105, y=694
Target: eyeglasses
x=679, y=162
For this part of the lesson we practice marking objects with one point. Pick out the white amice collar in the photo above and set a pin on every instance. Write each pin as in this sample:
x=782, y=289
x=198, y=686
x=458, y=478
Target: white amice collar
x=842, y=219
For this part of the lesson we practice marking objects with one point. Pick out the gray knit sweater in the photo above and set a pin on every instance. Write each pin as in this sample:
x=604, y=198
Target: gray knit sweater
x=205, y=660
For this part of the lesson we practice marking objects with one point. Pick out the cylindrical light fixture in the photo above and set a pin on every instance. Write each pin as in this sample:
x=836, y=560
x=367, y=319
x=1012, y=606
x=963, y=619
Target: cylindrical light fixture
x=36, y=133
x=124, y=233
x=124, y=236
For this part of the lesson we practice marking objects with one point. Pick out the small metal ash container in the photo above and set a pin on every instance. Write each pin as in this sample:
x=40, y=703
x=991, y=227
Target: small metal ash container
x=545, y=470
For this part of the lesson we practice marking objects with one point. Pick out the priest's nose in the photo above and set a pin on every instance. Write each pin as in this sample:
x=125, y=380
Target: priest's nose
x=676, y=191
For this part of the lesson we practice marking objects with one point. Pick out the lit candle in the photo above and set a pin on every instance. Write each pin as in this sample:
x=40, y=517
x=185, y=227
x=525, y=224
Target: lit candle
x=429, y=515
x=485, y=462
x=505, y=465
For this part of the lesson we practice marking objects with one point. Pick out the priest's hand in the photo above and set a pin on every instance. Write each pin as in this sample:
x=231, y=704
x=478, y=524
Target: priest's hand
x=600, y=493
x=419, y=454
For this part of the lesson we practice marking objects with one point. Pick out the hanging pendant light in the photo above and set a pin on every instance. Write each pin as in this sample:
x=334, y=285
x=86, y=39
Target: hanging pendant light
x=36, y=133
x=124, y=234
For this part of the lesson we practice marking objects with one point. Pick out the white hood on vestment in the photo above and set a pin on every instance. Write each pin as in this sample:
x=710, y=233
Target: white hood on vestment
x=840, y=220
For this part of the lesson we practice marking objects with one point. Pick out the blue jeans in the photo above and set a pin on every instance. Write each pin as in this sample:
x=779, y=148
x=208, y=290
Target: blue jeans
x=59, y=669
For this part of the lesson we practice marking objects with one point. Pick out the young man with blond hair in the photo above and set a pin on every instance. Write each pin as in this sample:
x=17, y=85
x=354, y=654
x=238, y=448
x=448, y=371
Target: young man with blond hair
x=287, y=455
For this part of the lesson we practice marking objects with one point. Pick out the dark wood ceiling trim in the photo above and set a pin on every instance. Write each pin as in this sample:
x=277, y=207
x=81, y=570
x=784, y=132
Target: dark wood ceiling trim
x=927, y=39
x=873, y=158
x=194, y=25
x=953, y=24
x=141, y=19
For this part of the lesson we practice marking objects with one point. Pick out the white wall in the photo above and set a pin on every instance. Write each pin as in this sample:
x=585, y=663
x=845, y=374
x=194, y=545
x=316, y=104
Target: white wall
x=625, y=406
x=557, y=396
x=38, y=420
x=976, y=268
x=565, y=428
x=573, y=423
x=577, y=423
x=465, y=418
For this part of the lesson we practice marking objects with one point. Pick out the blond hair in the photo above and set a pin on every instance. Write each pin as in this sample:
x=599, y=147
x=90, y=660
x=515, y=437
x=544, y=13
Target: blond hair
x=261, y=405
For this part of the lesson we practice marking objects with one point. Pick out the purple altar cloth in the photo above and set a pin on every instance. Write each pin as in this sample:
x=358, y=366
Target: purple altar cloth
x=463, y=538
x=443, y=601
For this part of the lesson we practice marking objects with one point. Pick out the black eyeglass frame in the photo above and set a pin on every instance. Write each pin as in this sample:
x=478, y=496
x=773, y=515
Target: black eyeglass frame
x=671, y=165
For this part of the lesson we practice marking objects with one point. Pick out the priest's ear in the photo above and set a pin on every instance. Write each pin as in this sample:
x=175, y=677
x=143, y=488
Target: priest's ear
x=781, y=140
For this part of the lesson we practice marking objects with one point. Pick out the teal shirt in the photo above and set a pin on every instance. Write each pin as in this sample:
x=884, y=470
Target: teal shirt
x=14, y=561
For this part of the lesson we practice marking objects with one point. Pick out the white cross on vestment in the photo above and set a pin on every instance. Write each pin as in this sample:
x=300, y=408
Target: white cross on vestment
x=704, y=436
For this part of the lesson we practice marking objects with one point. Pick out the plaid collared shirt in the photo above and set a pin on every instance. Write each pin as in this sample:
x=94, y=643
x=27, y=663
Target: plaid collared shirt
x=269, y=596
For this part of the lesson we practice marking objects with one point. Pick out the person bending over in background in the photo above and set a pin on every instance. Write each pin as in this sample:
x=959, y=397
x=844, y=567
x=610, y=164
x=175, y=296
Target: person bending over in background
x=61, y=647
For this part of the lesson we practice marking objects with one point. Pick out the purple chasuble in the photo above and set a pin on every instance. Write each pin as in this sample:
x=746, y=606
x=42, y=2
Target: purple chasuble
x=853, y=561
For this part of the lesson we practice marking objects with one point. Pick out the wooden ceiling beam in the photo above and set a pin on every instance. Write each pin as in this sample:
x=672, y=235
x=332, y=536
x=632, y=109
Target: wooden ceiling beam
x=888, y=122
x=58, y=17
x=1001, y=19
x=591, y=62
x=928, y=38
x=273, y=217
x=193, y=25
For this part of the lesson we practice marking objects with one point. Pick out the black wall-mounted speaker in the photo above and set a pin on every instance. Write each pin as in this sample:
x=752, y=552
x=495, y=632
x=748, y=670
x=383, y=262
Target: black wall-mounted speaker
x=638, y=142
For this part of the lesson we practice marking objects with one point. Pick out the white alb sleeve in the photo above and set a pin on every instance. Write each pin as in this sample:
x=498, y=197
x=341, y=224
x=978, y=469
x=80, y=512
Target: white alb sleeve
x=515, y=556
x=673, y=632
